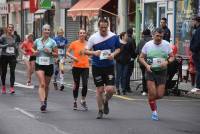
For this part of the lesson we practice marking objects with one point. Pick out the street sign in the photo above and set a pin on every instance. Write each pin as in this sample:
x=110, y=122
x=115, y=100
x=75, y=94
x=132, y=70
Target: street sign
x=45, y=4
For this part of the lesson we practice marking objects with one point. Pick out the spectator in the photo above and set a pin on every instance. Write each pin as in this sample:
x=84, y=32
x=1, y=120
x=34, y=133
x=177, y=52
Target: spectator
x=167, y=33
x=131, y=42
x=146, y=36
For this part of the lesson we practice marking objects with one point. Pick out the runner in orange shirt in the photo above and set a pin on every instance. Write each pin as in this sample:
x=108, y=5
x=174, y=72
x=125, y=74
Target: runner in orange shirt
x=80, y=67
x=29, y=59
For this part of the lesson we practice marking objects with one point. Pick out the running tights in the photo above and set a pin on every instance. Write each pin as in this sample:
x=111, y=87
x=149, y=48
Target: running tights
x=77, y=74
x=5, y=61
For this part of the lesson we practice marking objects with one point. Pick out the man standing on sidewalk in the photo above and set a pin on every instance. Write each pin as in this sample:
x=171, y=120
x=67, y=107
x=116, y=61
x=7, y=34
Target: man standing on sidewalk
x=104, y=45
x=195, y=48
x=167, y=33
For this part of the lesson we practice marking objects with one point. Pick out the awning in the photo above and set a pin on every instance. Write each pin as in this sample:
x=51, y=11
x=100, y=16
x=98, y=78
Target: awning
x=87, y=8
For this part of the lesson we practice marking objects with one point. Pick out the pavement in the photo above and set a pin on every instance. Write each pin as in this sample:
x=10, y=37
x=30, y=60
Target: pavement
x=183, y=86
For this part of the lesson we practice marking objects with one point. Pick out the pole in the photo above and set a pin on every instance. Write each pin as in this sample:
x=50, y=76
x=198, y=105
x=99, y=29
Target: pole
x=137, y=37
x=174, y=12
x=22, y=21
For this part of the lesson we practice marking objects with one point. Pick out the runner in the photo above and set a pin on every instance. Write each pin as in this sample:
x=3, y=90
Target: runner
x=105, y=45
x=155, y=56
x=61, y=42
x=80, y=68
x=9, y=46
x=29, y=59
x=45, y=50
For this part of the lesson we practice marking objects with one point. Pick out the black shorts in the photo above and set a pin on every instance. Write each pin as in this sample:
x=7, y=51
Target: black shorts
x=32, y=58
x=48, y=69
x=103, y=75
x=158, y=77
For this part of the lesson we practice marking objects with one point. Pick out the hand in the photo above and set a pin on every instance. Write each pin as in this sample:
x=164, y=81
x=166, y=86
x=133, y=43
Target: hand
x=97, y=53
x=148, y=67
x=46, y=50
x=75, y=59
x=164, y=64
x=36, y=53
x=111, y=56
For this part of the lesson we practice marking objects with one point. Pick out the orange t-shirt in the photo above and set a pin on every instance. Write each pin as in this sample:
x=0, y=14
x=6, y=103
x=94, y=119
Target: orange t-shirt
x=77, y=47
x=28, y=47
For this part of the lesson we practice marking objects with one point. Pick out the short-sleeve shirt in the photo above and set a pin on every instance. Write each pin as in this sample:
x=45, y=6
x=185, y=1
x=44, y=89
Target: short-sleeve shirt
x=97, y=42
x=49, y=44
x=156, y=53
x=61, y=42
x=28, y=46
x=78, y=47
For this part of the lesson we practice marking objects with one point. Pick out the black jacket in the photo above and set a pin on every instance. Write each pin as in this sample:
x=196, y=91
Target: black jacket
x=167, y=34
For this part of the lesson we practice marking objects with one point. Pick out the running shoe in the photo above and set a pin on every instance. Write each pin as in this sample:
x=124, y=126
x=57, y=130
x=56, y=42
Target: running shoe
x=55, y=85
x=144, y=94
x=154, y=116
x=3, y=91
x=62, y=87
x=43, y=108
x=105, y=108
x=84, y=105
x=12, y=91
x=75, y=106
x=100, y=114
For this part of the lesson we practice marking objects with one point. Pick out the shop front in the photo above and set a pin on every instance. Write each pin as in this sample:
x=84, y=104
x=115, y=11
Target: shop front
x=185, y=11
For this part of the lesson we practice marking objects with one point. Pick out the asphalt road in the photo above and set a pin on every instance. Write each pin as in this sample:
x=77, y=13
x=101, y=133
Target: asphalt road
x=20, y=114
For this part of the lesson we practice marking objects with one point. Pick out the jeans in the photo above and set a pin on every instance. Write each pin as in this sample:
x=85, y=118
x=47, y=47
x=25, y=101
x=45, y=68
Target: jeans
x=129, y=74
x=196, y=60
x=144, y=83
x=121, y=73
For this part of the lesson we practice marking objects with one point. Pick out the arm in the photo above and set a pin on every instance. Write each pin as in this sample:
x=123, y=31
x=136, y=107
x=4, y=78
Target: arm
x=22, y=49
x=112, y=55
x=143, y=61
x=68, y=53
x=2, y=45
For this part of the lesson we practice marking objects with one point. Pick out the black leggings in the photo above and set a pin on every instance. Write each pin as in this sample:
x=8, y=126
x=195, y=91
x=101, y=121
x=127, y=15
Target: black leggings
x=77, y=74
x=5, y=61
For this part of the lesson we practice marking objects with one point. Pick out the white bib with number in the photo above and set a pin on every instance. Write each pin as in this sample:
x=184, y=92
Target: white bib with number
x=60, y=51
x=10, y=50
x=157, y=61
x=26, y=57
x=44, y=60
x=104, y=54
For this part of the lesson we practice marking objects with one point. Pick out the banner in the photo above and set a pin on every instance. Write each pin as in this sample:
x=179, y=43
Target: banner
x=33, y=6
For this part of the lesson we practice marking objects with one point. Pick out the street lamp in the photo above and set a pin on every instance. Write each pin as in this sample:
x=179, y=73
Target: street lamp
x=22, y=21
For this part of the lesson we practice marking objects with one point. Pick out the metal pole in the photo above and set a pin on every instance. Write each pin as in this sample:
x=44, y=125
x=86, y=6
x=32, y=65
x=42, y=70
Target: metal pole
x=137, y=37
x=22, y=21
x=174, y=12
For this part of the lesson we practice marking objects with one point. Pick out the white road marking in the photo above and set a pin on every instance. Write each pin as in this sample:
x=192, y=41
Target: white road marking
x=24, y=86
x=25, y=113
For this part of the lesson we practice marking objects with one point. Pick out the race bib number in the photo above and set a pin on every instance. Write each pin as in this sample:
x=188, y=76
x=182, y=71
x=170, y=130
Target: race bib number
x=26, y=57
x=60, y=51
x=44, y=60
x=104, y=54
x=10, y=50
x=157, y=61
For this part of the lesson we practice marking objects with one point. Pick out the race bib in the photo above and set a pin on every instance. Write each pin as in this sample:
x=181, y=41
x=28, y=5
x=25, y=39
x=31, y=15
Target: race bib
x=26, y=57
x=157, y=61
x=104, y=54
x=44, y=60
x=60, y=51
x=10, y=50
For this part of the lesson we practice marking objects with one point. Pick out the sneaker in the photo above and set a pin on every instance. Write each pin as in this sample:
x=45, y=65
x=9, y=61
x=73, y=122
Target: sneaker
x=28, y=83
x=3, y=91
x=62, y=87
x=12, y=91
x=75, y=106
x=55, y=85
x=124, y=92
x=84, y=105
x=100, y=114
x=43, y=108
x=194, y=90
x=105, y=108
x=154, y=116
x=144, y=93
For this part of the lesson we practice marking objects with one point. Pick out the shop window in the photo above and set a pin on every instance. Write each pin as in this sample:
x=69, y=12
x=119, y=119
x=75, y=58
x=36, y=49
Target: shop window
x=150, y=12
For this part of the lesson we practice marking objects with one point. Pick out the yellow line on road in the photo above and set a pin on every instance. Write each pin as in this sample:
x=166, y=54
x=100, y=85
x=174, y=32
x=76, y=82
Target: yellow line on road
x=124, y=97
